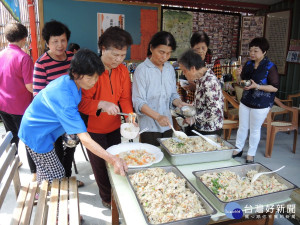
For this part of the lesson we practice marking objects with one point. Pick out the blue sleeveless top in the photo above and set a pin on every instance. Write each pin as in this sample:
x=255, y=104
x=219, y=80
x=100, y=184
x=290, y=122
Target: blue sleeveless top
x=257, y=98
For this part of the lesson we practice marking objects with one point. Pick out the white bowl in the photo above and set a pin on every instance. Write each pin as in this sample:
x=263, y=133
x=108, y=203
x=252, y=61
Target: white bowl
x=180, y=122
x=129, y=131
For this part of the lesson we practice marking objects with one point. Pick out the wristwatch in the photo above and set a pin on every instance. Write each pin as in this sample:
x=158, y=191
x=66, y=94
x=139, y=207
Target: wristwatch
x=257, y=87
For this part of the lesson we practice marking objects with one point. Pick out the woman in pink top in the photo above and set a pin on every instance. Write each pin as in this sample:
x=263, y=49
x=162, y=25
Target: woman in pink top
x=16, y=69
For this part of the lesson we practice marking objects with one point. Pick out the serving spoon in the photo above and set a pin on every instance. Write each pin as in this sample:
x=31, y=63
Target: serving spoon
x=254, y=178
x=179, y=134
x=207, y=139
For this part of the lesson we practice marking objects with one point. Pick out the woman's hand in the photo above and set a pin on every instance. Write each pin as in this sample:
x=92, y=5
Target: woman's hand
x=252, y=86
x=120, y=166
x=163, y=120
x=178, y=103
x=109, y=107
x=189, y=120
x=133, y=121
x=238, y=71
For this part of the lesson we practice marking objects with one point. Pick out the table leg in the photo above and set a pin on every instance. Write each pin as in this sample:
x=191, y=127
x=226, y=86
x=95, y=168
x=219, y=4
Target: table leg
x=114, y=211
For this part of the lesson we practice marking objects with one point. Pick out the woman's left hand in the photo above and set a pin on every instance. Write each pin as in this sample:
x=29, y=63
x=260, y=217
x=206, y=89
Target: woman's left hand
x=133, y=121
x=252, y=86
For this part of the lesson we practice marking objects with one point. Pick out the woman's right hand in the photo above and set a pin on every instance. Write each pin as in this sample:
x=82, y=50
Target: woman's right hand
x=239, y=71
x=163, y=120
x=120, y=166
x=109, y=107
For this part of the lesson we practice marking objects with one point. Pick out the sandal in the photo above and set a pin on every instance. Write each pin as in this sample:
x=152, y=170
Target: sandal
x=106, y=204
x=80, y=183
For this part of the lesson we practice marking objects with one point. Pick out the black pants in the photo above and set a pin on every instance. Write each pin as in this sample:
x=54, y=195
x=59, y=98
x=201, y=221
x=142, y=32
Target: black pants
x=98, y=164
x=188, y=131
x=66, y=156
x=12, y=123
x=151, y=137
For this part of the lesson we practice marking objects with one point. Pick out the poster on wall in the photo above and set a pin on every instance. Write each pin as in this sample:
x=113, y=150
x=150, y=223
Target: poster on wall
x=106, y=20
x=221, y=28
x=277, y=33
x=252, y=27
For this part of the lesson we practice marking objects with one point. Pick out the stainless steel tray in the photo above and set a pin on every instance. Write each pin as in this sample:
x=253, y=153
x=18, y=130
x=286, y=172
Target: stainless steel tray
x=242, y=170
x=190, y=221
x=198, y=157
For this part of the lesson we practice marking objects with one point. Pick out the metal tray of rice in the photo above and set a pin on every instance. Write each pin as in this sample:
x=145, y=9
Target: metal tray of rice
x=165, y=196
x=233, y=184
x=195, y=149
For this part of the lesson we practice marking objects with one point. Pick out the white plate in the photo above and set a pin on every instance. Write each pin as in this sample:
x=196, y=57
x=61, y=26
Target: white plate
x=124, y=147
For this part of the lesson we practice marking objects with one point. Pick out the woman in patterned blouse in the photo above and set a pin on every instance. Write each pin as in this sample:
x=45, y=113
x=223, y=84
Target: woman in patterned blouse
x=200, y=43
x=208, y=95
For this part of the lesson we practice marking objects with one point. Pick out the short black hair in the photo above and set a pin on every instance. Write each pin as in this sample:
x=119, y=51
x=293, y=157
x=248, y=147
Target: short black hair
x=55, y=28
x=15, y=32
x=115, y=37
x=85, y=62
x=260, y=42
x=190, y=58
x=199, y=37
x=73, y=46
x=162, y=38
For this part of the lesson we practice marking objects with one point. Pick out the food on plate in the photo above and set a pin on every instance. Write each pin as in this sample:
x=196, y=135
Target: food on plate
x=137, y=157
x=164, y=196
x=189, y=145
x=228, y=186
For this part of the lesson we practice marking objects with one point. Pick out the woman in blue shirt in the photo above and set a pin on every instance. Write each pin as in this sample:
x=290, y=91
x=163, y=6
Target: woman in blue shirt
x=154, y=89
x=257, y=98
x=54, y=111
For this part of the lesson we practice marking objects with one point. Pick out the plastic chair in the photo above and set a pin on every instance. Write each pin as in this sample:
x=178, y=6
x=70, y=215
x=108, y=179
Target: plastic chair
x=275, y=126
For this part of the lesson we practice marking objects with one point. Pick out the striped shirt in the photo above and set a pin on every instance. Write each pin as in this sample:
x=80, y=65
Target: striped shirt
x=46, y=69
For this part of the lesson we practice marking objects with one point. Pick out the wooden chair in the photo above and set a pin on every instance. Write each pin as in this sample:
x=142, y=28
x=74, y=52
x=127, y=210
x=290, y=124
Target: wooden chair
x=233, y=114
x=277, y=110
x=230, y=122
x=275, y=126
x=292, y=97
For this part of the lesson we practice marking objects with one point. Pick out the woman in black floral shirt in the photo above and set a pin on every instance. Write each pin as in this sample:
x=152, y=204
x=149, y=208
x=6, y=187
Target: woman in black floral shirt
x=208, y=101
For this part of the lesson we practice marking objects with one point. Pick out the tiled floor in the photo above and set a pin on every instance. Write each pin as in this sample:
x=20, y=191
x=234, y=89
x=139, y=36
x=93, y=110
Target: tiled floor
x=95, y=214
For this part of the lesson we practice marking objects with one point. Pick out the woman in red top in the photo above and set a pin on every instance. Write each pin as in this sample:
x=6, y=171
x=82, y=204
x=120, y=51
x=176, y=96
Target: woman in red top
x=110, y=95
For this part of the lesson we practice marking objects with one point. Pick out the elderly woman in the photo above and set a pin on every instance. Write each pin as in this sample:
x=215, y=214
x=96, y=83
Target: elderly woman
x=51, y=65
x=54, y=111
x=16, y=68
x=154, y=89
x=101, y=103
x=257, y=98
x=208, y=95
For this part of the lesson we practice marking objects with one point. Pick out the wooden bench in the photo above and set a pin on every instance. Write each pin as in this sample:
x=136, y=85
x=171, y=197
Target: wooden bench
x=61, y=207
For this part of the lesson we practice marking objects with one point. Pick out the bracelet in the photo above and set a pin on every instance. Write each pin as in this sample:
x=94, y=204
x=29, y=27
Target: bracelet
x=257, y=87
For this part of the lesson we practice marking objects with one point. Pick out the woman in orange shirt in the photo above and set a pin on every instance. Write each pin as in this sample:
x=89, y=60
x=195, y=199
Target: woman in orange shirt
x=110, y=95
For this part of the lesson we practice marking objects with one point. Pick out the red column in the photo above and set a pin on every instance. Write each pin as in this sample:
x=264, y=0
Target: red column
x=34, y=49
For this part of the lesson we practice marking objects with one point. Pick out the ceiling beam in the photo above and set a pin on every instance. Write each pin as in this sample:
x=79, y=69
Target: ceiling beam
x=199, y=4
x=228, y=3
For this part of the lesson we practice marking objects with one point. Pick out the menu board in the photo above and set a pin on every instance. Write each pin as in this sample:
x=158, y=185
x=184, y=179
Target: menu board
x=222, y=29
x=277, y=33
x=252, y=27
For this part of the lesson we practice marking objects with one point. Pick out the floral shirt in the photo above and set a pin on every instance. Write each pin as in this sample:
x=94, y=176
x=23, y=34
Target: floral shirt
x=209, y=103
